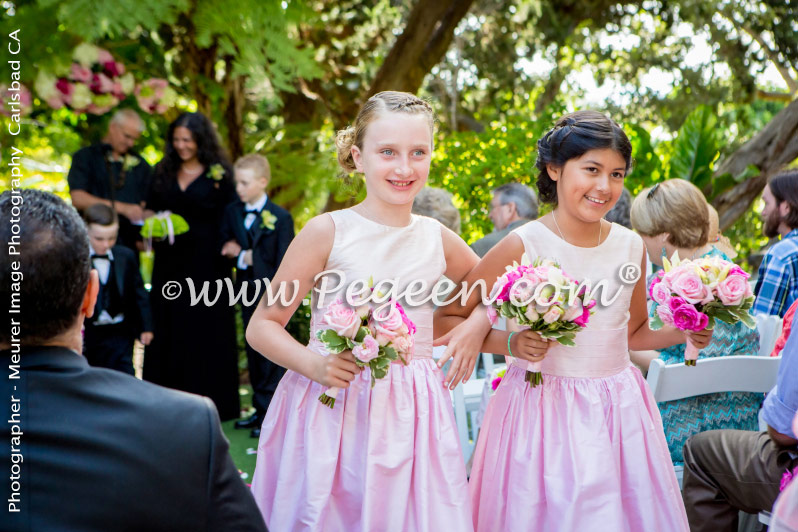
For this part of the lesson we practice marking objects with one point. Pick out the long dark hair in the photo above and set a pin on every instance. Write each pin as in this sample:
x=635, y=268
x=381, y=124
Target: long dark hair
x=571, y=137
x=209, y=148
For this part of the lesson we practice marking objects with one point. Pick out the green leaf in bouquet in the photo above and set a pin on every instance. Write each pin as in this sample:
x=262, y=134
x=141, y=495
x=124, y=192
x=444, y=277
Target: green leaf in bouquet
x=379, y=372
x=330, y=338
x=567, y=339
x=655, y=322
x=747, y=319
x=390, y=353
x=361, y=334
x=506, y=309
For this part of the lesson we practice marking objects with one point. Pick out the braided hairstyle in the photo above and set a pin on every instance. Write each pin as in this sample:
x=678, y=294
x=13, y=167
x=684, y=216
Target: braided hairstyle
x=571, y=137
x=390, y=101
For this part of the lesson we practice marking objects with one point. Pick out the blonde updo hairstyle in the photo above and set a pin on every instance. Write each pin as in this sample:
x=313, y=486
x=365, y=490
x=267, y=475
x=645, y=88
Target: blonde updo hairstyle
x=716, y=238
x=386, y=101
x=676, y=207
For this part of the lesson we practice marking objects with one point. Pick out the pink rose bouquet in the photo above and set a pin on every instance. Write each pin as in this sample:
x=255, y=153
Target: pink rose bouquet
x=541, y=297
x=376, y=336
x=691, y=294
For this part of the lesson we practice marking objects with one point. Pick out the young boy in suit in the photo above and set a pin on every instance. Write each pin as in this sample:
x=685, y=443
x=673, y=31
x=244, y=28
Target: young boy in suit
x=123, y=312
x=256, y=233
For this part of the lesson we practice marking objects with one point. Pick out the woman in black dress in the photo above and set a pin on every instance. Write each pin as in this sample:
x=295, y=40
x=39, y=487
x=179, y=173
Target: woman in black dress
x=195, y=347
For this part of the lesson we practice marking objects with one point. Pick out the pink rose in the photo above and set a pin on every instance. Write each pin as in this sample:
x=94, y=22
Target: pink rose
x=493, y=316
x=687, y=318
x=80, y=73
x=101, y=84
x=732, y=290
x=402, y=344
x=688, y=285
x=495, y=383
x=368, y=351
x=736, y=270
x=675, y=302
x=574, y=311
x=522, y=292
x=342, y=319
x=509, y=279
x=665, y=314
x=532, y=314
x=553, y=314
x=113, y=69
x=388, y=316
x=64, y=87
x=104, y=56
x=660, y=292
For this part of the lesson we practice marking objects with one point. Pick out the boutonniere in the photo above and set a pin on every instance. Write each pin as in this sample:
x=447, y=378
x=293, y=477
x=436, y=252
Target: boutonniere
x=216, y=172
x=130, y=162
x=267, y=220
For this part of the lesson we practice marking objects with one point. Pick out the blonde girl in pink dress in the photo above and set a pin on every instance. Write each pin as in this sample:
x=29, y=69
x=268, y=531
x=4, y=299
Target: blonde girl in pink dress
x=586, y=449
x=385, y=458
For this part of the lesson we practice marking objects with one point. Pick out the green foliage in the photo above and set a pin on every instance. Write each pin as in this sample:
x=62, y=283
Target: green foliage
x=696, y=148
x=470, y=165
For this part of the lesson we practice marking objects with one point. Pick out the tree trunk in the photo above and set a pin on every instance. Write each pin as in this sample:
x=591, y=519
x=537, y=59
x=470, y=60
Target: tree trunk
x=769, y=150
x=428, y=32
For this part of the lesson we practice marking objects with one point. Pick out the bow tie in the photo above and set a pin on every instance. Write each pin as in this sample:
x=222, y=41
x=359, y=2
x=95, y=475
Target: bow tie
x=106, y=257
x=251, y=211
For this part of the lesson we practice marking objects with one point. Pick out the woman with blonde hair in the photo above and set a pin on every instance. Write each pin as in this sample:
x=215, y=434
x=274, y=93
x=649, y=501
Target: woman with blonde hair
x=673, y=216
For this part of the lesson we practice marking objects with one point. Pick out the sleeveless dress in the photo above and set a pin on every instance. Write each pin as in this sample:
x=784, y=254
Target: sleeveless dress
x=385, y=458
x=687, y=417
x=586, y=449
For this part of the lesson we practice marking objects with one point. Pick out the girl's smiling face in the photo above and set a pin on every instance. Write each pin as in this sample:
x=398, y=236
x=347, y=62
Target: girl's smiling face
x=395, y=156
x=588, y=186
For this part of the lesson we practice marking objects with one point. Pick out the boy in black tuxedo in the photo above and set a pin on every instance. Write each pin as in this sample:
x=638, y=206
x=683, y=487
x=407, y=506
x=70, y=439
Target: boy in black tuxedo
x=256, y=233
x=123, y=312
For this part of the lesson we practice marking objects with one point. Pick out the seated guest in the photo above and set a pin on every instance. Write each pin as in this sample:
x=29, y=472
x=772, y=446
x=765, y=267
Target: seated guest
x=672, y=217
x=122, y=312
x=94, y=449
x=513, y=205
x=437, y=203
x=777, y=283
x=619, y=213
x=786, y=327
x=113, y=174
x=716, y=238
x=728, y=471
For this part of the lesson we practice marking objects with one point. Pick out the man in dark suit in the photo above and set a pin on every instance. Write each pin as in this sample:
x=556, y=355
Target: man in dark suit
x=257, y=233
x=93, y=449
x=122, y=312
x=112, y=173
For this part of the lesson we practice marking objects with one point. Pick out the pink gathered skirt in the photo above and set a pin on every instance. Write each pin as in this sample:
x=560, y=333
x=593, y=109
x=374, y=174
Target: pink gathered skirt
x=574, y=454
x=384, y=459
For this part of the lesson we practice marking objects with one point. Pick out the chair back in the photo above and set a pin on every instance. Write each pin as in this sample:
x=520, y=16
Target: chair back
x=712, y=375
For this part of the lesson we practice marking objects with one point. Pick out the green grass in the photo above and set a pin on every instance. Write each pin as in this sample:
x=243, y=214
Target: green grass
x=240, y=441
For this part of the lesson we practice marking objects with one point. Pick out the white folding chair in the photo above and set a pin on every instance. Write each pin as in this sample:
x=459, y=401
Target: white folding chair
x=711, y=375
x=769, y=328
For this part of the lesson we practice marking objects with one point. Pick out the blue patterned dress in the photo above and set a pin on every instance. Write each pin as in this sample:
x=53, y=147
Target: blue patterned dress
x=727, y=410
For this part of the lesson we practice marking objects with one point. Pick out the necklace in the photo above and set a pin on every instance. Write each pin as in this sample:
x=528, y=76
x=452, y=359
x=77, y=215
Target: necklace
x=560, y=231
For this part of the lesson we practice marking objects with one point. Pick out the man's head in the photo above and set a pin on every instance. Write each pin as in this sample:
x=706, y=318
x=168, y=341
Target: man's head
x=252, y=175
x=48, y=272
x=512, y=202
x=124, y=130
x=102, y=224
x=780, y=213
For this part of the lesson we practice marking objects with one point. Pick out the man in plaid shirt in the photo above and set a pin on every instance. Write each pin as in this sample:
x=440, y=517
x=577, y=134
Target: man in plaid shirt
x=777, y=285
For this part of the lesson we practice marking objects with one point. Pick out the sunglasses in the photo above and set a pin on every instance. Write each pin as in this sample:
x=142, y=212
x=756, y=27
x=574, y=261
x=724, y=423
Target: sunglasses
x=652, y=191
